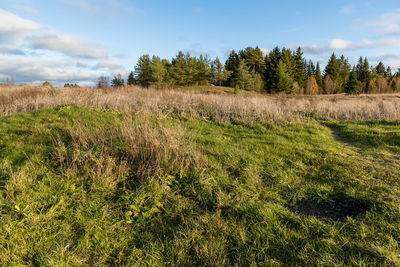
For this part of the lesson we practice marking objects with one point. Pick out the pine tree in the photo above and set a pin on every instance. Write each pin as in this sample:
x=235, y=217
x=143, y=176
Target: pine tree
x=219, y=72
x=131, y=79
x=253, y=58
x=204, y=74
x=179, y=70
x=159, y=73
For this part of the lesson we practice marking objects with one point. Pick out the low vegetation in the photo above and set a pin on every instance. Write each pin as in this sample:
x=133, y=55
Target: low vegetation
x=134, y=176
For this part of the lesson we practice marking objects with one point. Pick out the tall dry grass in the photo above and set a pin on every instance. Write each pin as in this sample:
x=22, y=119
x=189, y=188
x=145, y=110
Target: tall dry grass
x=212, y=106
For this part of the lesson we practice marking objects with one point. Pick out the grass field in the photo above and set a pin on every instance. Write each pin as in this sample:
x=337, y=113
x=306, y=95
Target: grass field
x=135, y=177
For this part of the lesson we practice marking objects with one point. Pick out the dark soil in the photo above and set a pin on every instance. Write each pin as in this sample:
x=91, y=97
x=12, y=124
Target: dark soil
x=335, y=209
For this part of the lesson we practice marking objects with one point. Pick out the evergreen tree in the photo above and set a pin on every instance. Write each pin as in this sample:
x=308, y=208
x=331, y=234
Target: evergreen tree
x=318, y=75
x=345, y=69
x=271, y=68
x=178, y=70
x=380, y=69
x=244, y=76
x=333, y=70
x=311, y=71
x=359, y=68
x=300, y=73
x=388, y=72
x=289, y=61
x=366, y=72
x=353, y=86
x=253, y=58
x=284, y=79
x=232, y=65
x=131, y=79
x=219, y=72
x=159, y=73
x=117, y=81
x=204, y=75
x=143, y=71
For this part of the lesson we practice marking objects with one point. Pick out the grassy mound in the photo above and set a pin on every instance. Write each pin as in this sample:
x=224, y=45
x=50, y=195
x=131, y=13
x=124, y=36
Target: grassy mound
x=80, y=186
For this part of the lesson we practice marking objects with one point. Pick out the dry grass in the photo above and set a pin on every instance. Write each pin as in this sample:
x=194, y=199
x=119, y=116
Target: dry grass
x=227, y=107
x=141, y=149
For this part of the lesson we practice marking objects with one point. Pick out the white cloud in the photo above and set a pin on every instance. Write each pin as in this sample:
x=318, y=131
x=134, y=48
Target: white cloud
x=264, y=50
x=346, y=45
x=19, y=32
x=385, y=24
x=110, y=66
x=26, y=69
x=68, y=45
x=31, y=52
x=27, y=9
x=347, y=10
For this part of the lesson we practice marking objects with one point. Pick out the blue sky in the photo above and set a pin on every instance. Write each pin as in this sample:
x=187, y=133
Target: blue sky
x=78, y=40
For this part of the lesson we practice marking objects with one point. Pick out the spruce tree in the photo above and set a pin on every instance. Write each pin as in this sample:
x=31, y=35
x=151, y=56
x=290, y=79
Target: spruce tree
x=353, y=86
x=388, y=72
x=333, y=70
x=117, y=81
x=284, y=79
x=271, y=68
x=380, y=69
x=143, y=71
x=131, y=79
x=345, y=69
x=232, y=65
x=318, y=75
x=300, y=73
x=310, y=69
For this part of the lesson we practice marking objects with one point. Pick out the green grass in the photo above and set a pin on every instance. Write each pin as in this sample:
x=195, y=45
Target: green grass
x=231, y=207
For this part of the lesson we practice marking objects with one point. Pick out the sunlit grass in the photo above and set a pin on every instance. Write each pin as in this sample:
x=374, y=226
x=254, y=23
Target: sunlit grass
x=82, y=186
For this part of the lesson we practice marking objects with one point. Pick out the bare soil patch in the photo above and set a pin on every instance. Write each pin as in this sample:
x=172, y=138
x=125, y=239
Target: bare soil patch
x=335, y=209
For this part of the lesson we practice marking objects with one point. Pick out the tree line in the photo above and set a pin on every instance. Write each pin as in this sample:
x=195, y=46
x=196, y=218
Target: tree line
x=279, y=71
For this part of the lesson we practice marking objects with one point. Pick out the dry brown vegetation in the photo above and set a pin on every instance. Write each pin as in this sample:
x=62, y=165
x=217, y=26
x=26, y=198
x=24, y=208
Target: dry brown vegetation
x=227, y=107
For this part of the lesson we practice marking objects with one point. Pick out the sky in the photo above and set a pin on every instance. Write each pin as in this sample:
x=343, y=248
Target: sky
x=78, y=40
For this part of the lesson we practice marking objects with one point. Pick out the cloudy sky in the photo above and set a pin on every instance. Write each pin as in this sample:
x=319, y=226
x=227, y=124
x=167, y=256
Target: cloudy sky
x=78, y=40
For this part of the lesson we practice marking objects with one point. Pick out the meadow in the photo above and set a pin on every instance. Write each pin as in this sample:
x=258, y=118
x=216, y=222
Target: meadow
x=145, y=177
